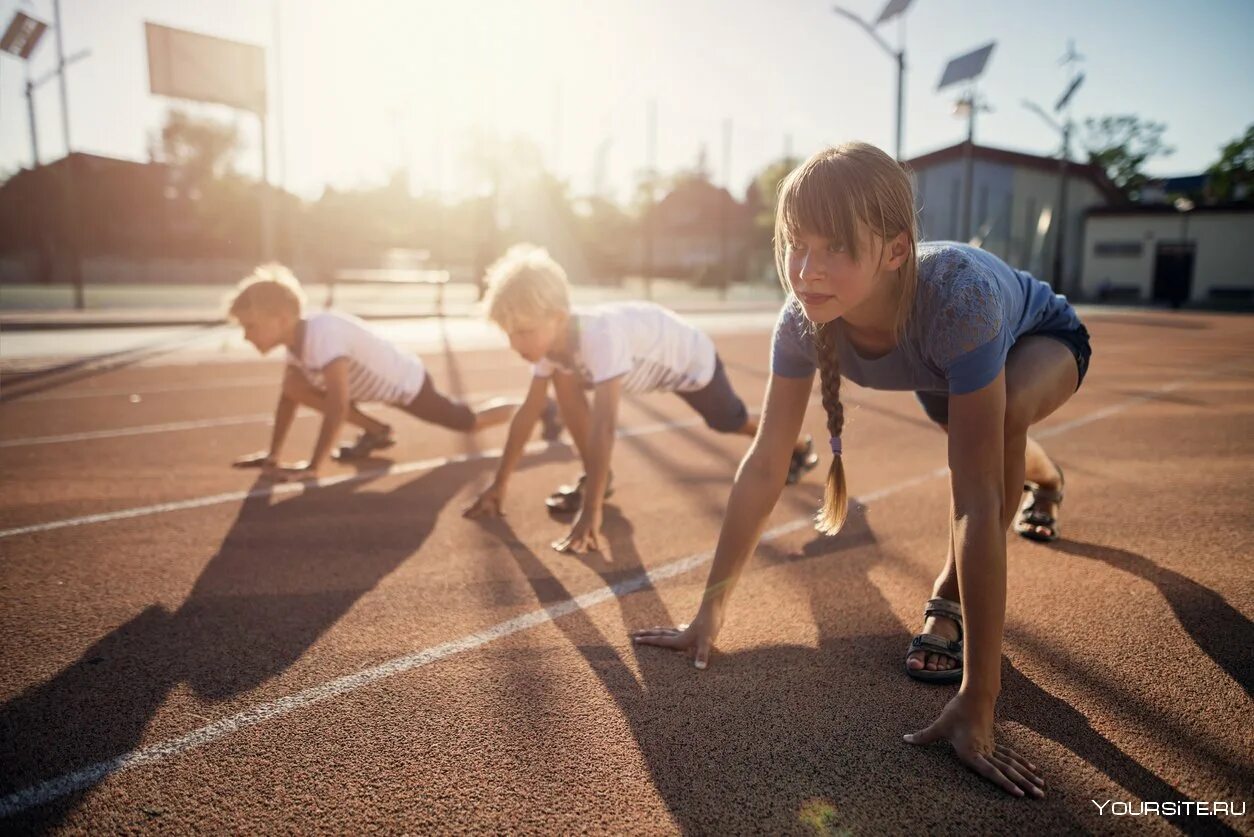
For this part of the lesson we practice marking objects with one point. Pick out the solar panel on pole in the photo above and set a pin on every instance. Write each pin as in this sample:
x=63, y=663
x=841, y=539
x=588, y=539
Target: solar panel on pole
x=892, y=10
x=23, y=35
x=966, y=67
x=1071, y=89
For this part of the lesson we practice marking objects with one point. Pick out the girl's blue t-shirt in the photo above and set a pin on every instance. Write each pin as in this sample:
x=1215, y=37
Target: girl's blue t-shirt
x=969, y=309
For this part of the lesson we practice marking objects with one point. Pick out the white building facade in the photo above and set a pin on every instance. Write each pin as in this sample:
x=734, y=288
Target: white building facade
x=1162, y=254
x=1014, y=206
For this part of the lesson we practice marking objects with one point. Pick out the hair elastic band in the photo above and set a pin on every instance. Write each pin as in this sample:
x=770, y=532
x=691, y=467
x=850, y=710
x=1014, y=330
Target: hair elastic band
x=835, y=440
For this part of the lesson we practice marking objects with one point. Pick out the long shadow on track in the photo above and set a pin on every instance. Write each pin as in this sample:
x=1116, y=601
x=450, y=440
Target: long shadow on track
x=284, y=575
x=1218, y=629
x=791, y=738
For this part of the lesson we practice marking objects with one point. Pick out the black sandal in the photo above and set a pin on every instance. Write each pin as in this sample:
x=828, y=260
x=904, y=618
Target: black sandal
x=937, y=644
x=802, y=462
x=1031, y=517
x=366, y=444
x=568, y=499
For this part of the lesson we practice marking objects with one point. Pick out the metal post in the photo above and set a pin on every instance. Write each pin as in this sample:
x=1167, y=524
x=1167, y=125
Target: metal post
x=898, y=55
x=30, y=114
x=281, y=137
x=901, y=75
x=267, y=201
x=723, y=221
x=651, y=174
x=71, y=194
x=65, y=99
x=969, y=175
x=1060, y=240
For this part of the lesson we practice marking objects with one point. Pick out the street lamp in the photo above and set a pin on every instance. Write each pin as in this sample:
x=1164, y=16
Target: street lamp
x=1064, y=129
x=1059, y=238
x=968, y=68
x=894, y=9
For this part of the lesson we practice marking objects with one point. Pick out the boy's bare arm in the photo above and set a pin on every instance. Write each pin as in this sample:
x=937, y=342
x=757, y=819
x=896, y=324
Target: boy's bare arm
x=334, y=413
x=284, y=413
x=601, y=442
x=585, y=532
x=568, y=389
x=521, y=426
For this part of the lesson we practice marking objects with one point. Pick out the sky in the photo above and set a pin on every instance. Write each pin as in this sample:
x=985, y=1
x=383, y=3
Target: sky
x=364, y=87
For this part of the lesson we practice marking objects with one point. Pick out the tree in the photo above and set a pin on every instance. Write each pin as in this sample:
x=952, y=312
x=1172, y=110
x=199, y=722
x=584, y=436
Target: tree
x=1232, y=177
x=211, y=208
x=762, y=195
x=1121, y=145
x=202, y=149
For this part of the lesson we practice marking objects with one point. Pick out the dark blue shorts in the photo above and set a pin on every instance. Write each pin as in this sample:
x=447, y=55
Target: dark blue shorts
x=434, y=406
x=718, y=403
x=936, y=404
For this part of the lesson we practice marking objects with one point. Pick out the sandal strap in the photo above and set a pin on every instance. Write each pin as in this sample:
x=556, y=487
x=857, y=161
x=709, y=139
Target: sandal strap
x=1038, y=518
x=947, y=608
x=943, y=607
x=1047, y=495
x=937, y=645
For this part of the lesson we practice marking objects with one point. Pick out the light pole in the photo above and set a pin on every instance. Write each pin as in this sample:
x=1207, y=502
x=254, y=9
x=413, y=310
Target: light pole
x=1059, y=278
x=968, y=106
x=894, y=9
x=1064, y=158
x=20, y=40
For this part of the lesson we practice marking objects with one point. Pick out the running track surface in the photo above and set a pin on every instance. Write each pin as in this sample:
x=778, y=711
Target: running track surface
x=186, y=651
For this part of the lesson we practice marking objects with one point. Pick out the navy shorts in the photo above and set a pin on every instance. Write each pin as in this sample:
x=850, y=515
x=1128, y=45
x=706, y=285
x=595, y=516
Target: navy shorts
x=936, y=404
x=434, y=406
x=718, y=403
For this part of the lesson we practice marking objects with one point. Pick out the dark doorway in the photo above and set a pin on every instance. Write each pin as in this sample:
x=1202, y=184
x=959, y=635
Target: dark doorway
x=1173, y=272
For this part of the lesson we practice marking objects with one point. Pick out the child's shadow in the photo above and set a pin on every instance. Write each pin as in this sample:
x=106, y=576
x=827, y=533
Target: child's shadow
x=285, y=573
x=1218, y=628
x=790, y=738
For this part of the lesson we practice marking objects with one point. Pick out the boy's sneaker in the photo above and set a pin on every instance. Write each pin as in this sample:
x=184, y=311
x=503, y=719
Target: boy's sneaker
x=366, y=444
x=569, y=498
x=802, y=462
x=551, y=422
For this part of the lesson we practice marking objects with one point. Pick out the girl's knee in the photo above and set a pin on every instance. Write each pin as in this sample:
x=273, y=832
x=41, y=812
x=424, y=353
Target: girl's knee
x=1020, y=413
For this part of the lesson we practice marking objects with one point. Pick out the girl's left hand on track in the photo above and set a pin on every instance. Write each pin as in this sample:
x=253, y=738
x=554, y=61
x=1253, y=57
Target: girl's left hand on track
x=584, y=535
x=967, y=723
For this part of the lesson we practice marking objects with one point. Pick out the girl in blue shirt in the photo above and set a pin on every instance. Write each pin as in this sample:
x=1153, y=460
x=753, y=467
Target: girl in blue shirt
x=988, y=350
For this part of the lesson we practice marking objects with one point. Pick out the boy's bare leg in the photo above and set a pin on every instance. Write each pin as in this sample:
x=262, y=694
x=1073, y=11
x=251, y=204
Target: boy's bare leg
x=298, y=388
x=750, y=429
x=494, y=412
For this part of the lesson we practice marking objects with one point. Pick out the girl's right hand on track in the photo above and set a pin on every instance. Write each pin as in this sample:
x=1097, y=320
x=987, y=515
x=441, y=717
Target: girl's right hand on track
x=696, y=640
x=488, y=504
x=260, y=459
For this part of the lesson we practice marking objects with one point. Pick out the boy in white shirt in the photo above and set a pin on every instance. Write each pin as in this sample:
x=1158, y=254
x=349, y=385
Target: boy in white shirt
x=622, y=347
x=335, y=362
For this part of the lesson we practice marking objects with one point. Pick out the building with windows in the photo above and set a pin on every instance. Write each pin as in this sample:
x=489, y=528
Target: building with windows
x=1014, y=206
x=1175, y=254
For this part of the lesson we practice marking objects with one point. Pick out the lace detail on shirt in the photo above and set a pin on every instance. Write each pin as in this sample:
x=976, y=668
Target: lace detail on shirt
x=965, y=302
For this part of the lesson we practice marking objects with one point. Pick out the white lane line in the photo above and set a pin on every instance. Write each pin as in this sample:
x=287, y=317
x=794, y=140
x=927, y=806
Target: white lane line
x=292, y=488
x=169, y=427
x=239, y=383
x=139, y=430
x=91, y=775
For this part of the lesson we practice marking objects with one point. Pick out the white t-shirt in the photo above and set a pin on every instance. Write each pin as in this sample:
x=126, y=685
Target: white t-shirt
x=377, y=370
x=651, y=346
